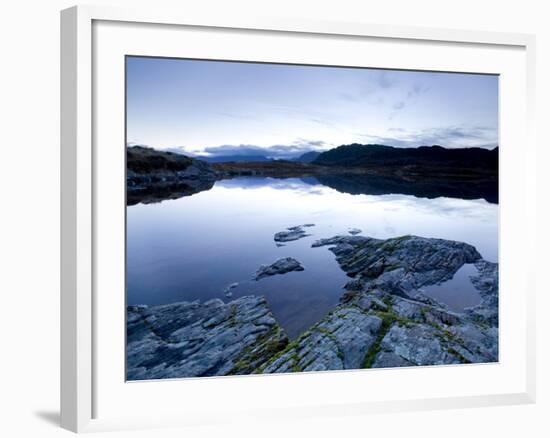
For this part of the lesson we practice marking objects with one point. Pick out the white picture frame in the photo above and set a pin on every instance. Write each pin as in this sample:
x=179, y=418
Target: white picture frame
x=83, y=316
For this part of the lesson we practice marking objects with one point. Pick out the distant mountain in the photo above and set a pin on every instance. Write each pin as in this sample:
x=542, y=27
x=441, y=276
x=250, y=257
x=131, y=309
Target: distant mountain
x=375, y=155
x=308, y=157
x=233, y=158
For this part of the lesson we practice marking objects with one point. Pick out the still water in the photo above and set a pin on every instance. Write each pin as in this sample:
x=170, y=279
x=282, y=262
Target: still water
x=193, y=247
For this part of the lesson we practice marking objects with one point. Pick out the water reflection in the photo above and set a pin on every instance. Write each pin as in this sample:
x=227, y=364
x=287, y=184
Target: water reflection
x=193, y=247
x=486, y=189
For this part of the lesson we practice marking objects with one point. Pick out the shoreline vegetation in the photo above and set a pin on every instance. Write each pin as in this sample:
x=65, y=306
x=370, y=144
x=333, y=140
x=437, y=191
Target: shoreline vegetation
x=383, y=318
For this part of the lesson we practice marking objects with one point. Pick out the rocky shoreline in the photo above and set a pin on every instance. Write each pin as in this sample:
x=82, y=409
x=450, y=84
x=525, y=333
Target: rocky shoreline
x=194, y=339
x=154, y=176
x=383, y=319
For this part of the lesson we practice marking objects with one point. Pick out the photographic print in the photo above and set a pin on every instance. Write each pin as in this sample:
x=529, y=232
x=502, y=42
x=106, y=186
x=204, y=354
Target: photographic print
x=297, y=218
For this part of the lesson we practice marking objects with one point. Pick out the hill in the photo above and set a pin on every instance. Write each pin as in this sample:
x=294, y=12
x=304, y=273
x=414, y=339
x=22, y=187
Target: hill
x=374, y=155
x=142, y=160
x=308, y=157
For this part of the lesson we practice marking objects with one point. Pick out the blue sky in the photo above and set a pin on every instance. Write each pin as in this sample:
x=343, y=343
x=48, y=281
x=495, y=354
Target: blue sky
x=216, y=107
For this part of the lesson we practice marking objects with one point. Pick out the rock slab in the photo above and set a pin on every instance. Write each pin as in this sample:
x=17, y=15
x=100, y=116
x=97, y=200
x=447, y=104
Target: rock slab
x=383, y=320
x=292, y=233
x=191, y=339
x=281, y=266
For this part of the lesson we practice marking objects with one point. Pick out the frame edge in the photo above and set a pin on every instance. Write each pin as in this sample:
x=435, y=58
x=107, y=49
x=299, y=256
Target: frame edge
x=76, y=337
x=76, y=236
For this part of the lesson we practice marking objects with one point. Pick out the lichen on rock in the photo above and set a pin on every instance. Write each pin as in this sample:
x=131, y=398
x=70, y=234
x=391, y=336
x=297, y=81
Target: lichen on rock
x=383, y=319
x=191, y=339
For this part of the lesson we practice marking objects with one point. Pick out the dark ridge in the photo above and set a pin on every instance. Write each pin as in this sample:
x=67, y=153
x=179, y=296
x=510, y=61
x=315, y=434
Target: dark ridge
x=375, y=155
x=142, y=160
x=308, y=157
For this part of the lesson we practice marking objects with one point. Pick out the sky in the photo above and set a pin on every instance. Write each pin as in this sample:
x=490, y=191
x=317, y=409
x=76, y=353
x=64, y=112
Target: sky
x=235, y=108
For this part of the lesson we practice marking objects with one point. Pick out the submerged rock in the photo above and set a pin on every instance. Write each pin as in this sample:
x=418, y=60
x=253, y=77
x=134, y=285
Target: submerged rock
x=228, y=290
x=354, y=231
x=193, y=339
x=281, y=266
x=292, y=233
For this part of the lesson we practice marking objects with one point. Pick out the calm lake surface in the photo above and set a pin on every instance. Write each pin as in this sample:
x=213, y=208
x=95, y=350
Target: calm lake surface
x=193, y=247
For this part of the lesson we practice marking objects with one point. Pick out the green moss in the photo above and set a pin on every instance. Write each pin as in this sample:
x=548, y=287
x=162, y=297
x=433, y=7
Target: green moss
x=332, y=337
x=295, y=366
x=460, y=357
x=424, y=311
x=233, y=316
x=388, y=300
x=281, y=353
x=387, y=321
x=327, y=332
x=404, y=322
x=267, y=346
x=394, y=317
x=240, y=366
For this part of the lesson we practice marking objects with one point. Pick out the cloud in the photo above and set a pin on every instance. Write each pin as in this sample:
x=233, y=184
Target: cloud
x=398, y=105
x=386, y=79
x=410, y=96
x=371, y=90
x=237, y=116
x=279, y=151
x=296, y=184
x=417, y=89
x=323, y=122
x=348, y=97
x=450, y=136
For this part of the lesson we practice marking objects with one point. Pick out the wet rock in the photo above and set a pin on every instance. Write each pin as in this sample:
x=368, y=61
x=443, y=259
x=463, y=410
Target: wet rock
x=281, y=266
x=486, y=281
x=376, y=329
x=384, y=320
x=194, y=339
x=292, y=233
x=391, y=360
x=228, y=290
x=418, y=344
x=399, y=265
x=339, y=341
x=153, y=176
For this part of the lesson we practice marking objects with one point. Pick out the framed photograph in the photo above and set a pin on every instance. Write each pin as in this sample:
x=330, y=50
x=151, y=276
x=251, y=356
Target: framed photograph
x=291, y=218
